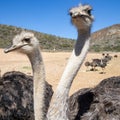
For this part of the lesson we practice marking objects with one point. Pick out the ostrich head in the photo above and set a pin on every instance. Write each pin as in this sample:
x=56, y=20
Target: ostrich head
x=81, y=16
x=25, y=42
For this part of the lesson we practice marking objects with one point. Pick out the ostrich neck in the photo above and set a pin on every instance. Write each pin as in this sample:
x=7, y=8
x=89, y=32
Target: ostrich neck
x=38, y=83
x=59, y=105
x=75, y=61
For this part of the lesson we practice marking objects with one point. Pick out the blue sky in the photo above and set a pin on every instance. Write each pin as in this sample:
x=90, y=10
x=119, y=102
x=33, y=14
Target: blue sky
x=51, y=16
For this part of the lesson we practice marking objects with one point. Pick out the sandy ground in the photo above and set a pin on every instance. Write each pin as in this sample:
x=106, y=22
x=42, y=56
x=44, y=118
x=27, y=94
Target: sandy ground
x=55, y=64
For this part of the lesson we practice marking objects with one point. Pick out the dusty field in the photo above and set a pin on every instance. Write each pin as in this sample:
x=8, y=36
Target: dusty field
x=55, y=64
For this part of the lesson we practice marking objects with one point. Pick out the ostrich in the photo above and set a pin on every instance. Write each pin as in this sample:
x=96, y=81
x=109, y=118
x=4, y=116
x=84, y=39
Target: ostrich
x=93, y=64
x=87, y=64
x=89, y=103
x=82, y=19
x=115, y=56
x=28, y=44
x=98, y=63
x=108, y=57
x=99, y=103
x=102, y=64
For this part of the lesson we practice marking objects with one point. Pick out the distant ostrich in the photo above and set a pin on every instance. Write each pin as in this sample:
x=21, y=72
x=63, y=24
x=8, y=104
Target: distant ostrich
x=108, y=57
x=87, y=64
x=115, y=56
x=82, y=19
x=102, y=64
x=16, y=89
x=93, y=64
x=99, y=63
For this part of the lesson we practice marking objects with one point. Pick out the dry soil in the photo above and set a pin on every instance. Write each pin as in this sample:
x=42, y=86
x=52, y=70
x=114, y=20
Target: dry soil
x=55, y=64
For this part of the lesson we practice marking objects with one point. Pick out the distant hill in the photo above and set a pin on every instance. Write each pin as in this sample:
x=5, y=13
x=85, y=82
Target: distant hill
x=107, y=39
x=47, y=42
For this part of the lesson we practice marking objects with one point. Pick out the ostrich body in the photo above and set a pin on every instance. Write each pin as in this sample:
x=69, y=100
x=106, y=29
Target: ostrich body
x=82, y=19
x=16, y=97
x=106, y=101
x=99, y=103
x=27, y=43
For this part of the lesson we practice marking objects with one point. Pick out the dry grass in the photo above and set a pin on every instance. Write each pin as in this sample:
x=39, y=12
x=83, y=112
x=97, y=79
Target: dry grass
x=55, y=64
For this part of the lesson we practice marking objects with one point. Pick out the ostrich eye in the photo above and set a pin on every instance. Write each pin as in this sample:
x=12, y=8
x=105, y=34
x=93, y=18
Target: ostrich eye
x=70, y=13
x=89, y=12
x=26, y=40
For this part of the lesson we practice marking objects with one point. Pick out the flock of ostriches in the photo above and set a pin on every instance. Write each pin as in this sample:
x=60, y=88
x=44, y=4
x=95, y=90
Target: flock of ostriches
x=24, y=97
x=102, y=63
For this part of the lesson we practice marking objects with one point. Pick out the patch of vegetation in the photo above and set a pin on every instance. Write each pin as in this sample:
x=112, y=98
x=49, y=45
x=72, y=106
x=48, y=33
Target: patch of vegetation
x=26, y=67
x=95, y=48
x=47, y=42
x=112, y=48
x=99, y=48
x=100, y=40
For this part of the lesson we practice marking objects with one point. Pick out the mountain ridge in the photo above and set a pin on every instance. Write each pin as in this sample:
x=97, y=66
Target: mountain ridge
x=107, y=39
x=47, y=41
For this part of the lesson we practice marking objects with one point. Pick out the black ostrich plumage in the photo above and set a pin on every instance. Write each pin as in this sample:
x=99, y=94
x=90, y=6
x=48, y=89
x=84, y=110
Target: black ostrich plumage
x=99, y=103
x=16, y=96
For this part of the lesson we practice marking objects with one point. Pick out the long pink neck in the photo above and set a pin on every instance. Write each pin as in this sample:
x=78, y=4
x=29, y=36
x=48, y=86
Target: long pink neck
x=59, y=104
x=38, y=82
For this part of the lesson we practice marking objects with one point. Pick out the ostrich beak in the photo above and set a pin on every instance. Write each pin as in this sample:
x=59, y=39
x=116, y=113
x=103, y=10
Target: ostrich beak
x=14, y=47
